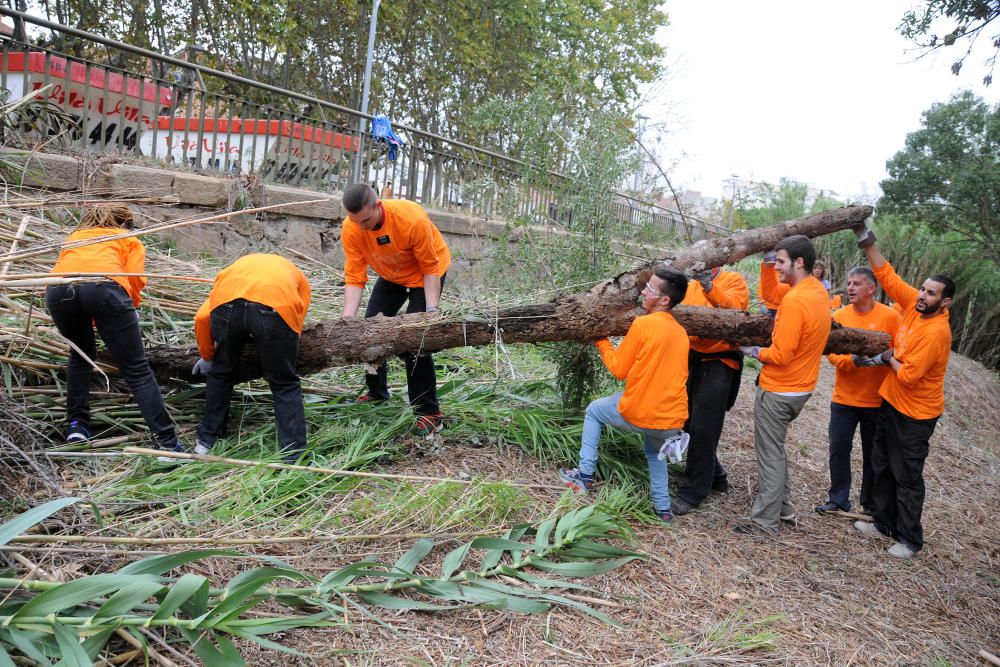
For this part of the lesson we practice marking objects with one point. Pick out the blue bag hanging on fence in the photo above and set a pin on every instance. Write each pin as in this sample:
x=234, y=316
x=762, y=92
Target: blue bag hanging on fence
x=382, y=131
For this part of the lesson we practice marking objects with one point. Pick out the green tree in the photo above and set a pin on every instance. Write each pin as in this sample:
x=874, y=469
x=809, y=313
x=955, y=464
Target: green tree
x=948, y=174
x=965, y=21
x=775, y=203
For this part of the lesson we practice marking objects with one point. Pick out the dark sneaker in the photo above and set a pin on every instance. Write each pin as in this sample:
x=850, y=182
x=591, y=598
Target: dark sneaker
x=751, y=529
x=428, y=425
x=720, y=486
x=368, y=398
x=829, y=506
x=790, y=518
x=77, y=432
x=176, y=449
x=666, y=516
x=293, y=454
x=680, y=507
x=572, y=478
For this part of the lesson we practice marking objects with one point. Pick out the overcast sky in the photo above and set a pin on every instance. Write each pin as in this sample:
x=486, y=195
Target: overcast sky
x=821, y=92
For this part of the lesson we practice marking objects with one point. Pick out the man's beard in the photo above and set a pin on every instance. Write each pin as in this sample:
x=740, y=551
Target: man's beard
x=928, y=310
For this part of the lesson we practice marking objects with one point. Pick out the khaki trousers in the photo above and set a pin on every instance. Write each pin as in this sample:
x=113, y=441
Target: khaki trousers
x=772, y=413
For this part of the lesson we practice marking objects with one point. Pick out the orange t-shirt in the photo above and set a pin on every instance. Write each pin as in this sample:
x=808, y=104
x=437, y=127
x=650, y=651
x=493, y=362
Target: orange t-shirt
x=801, y=327
x=403, y=250
x=267, y=279
x=922, y=346
x=653, y=361
x=126, y=255
x=729, y=290
x=771, y=290
x=858, y=386
x=835, y=302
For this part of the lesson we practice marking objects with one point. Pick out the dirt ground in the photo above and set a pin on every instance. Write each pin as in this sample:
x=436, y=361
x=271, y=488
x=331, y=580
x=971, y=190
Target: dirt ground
x=818, y=594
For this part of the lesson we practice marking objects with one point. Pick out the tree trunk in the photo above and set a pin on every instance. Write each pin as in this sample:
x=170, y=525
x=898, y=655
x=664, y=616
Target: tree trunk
x=606, y=310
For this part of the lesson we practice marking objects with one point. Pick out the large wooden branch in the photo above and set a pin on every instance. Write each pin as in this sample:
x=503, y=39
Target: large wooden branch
x=606, y=310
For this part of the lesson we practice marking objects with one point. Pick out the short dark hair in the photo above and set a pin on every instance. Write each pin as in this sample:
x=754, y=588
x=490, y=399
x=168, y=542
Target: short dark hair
x=949, y=285
x=357, y=196
x=799, y=246
x=863, y=271
x=675, y=284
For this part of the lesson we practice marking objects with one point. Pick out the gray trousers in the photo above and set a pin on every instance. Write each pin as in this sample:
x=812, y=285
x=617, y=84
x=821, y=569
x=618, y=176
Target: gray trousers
x=772, y=413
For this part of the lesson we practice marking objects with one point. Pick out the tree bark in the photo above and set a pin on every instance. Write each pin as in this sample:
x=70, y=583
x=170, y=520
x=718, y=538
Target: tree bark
x=606, y=310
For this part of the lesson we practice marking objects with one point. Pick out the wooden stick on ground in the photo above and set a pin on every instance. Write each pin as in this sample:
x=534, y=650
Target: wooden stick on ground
x=989, y=657
x=207, y=458
x=235, y=541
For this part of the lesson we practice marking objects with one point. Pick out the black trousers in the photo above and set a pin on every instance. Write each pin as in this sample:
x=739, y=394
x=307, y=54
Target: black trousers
x=844, y=421
x=421, y=381
x=75, y=308
x=708, y=395
x=898, y=454
x=234, y=324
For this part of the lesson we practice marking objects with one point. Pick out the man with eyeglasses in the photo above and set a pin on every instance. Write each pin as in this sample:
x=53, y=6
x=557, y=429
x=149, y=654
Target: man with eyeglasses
x=653, y=361
x=398, y=240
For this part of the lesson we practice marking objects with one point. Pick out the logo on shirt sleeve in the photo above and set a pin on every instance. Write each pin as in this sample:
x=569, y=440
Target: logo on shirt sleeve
x=383, y=240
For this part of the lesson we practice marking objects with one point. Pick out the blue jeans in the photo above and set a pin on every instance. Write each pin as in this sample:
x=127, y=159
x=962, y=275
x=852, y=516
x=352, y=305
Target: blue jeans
x=604, y=411
x=75, y=309
x=235, y=324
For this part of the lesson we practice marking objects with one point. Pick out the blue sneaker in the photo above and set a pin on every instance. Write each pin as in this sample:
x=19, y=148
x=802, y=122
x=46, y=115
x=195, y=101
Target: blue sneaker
x=77, y=432
x=575, y=480
x=666, y=516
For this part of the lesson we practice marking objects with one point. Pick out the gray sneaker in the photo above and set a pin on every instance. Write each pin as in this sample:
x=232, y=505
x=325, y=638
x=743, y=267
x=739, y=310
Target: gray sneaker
x=169, y=460
x=900, y=550
x=201, y=449
x=869, y=530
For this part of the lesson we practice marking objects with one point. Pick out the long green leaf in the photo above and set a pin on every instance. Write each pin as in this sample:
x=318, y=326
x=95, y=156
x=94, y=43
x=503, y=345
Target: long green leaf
x=182, y=591
x=344, y=575
x=27, y=642
x=158, y=565
x=76, y=592
x=242, y=587
x=542, y=534
x=566, y=602
x=454, y=560
x=498, y=543
x=409, y=560
x=393, y=602
x=69, y=646
x=267, y=643
x=208, y=652
x=22, y=522
x=5, y=660
x=126, y=599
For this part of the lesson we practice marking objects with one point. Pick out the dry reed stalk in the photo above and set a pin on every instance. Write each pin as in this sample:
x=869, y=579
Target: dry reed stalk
x=207, y=458
x=18, y=236
x=989, y=657
x=154, y=229
x=231, y=541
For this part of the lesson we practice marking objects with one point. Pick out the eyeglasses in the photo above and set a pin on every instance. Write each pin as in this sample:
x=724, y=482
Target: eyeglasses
x=652, y=290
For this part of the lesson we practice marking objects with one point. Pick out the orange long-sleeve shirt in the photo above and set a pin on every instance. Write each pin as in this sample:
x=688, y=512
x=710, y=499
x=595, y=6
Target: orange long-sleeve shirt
x=268, y=279
x=653, y=361
x=801, y=327
x=403, y=250
x=126, y=255
x=858, y=386
x=770, y=289
x=729, y=290
x=922, y=346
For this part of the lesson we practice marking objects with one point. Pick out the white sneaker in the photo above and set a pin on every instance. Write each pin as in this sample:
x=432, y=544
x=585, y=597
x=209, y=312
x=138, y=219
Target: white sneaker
x=900, y=550
x=868, y=529
x=201, y=449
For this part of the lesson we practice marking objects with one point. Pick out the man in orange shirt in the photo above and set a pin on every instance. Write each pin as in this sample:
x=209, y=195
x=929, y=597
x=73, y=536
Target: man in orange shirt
x=653, y=361
x=398, y=240
x=855, y=394
x=714, y=368
x=770, y=290
x=264, y=299
x=913, y=400
x=788, y=377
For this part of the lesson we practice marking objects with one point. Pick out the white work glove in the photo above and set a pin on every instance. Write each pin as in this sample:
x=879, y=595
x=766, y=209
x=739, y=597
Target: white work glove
x=201, y=367
x=674, y=448
x=751, y=350
x=864, y=234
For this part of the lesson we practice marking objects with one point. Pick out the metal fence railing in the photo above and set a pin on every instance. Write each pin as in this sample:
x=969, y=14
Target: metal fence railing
x=106, y=95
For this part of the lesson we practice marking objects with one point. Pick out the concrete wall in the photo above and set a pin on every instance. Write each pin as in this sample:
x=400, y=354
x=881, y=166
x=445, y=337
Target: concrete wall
x=304, y=225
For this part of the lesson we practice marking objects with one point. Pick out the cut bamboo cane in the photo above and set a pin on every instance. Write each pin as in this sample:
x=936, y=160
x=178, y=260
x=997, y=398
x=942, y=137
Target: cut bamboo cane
x=235, y=541
x=208, y=458
x=853, y=516
x=989, y=657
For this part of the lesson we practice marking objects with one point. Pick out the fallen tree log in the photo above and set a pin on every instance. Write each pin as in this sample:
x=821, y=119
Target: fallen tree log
x=606, y=310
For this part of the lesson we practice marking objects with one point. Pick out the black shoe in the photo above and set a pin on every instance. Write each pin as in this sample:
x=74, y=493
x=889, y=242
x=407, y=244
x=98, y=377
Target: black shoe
x=720, y=486
x=829, y=506
x=751, y=529
x=77, y=432
x=679, y=506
